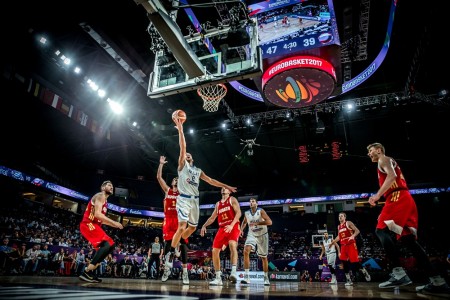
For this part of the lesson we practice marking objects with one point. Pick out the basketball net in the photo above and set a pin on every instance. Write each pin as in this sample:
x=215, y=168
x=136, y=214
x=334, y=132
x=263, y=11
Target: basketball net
x=212, y=95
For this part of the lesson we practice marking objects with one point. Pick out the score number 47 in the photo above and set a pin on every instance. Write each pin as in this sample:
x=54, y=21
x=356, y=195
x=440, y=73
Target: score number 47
x=271, y=50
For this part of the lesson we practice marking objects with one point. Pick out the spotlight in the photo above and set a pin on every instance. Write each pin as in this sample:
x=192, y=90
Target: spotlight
x=443, y=93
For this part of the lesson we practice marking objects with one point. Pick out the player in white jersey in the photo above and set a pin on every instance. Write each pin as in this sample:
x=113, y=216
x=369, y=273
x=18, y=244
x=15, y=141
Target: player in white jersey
x=257, y=238
x=330, y=251
x=188, y=209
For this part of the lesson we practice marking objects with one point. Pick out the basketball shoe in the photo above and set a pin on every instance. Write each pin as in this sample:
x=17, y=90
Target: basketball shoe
x=436, y=286
x=89, y=276
x=185, y=277
x=366, y=274
x=233, y=277
x=398, y=278
x=168, y=260
x=216, y=281
x=246, y=279
x=333, y=279
x=177, y=251
x=165, y=275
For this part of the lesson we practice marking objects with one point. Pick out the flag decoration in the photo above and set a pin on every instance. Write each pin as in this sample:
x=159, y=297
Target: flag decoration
x=34, y=88
x=52, y=99
x=57, y=102
x=65, y=108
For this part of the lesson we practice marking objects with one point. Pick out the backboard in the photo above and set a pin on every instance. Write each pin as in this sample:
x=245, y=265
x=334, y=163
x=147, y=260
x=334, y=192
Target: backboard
x=317, y=240
x=226, y=55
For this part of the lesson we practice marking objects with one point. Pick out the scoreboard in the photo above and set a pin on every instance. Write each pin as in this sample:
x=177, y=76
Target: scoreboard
x=291, y=26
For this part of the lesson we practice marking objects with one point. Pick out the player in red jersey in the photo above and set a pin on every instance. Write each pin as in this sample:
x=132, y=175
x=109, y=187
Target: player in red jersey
x=91, y=229
x=170, y=224
x=347, y=232
x=399, y=215
x=228, y=213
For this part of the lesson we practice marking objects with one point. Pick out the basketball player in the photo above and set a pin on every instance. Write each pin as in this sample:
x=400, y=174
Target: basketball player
x=399, y=215
x=91, y=229
x=257, y=238
x=188, y=209
x=330, y=251
x=228, y=212
x=347, y=232
x=170, y=224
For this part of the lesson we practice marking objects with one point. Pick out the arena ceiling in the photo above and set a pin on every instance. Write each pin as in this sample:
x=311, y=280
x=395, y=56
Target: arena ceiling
x=400, y=106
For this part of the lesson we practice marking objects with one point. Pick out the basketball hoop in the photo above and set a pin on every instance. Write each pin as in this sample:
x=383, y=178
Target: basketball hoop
x=212, y=95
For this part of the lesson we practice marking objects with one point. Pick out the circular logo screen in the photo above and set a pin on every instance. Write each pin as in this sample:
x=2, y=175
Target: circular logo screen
x=298, y=81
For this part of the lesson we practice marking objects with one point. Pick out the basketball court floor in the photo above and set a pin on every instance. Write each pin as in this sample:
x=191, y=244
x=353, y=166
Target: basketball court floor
x=274, y=30
x=37, y=287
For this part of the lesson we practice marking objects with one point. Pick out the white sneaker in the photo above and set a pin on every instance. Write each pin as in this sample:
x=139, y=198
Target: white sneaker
x=246, y=279
x=166, y=275
x=177, y=251
x=349, y=283
x=266, y=280
x=168, y=260
x=217, y=281
x=233, y=277
x=333, y=280
x=366, y=274
x=185, y=278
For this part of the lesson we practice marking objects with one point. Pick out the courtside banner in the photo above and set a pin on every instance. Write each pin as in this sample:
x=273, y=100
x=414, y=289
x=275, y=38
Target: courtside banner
x=284, y=276
x=255, y=277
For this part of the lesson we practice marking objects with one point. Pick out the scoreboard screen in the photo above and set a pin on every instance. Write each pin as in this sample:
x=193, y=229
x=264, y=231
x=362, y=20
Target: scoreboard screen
x=289, y=26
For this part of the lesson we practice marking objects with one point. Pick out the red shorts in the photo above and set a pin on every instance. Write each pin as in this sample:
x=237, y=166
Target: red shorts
x=222, y=238
x=349, y=252
x=170, y=226
x=402, y=210
x=94, y=234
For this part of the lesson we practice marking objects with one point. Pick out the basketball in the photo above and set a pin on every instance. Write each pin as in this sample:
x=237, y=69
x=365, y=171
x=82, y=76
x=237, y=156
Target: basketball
x=179, y=114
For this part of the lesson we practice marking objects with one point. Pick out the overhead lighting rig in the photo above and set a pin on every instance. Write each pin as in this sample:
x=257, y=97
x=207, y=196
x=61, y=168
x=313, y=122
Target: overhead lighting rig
x=335, y=106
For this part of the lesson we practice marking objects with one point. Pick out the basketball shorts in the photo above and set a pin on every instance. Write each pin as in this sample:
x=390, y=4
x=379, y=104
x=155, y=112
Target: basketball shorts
x=399, y=214
x=349, y=252
x=331, y=259
x=188, y=210
x=94, y=234
x=260, y=243
x=223, y=238
x=170, y=226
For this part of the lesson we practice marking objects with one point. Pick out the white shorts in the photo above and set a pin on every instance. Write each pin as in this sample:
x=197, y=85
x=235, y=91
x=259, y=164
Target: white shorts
x=188, y=209
x=261, y=243
x=331, y=259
